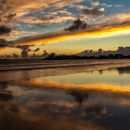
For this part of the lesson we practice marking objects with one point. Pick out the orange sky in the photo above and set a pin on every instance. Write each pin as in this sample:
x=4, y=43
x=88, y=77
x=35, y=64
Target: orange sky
x=98, y=33
x=70, y=35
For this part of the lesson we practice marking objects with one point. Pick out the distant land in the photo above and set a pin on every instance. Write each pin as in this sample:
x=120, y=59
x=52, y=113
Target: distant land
x=120, y=53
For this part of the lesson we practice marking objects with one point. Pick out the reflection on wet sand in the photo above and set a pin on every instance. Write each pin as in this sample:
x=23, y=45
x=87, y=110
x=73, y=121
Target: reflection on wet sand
x=4, y=94
x=36, y=114
x=79, y=96
x=123, y=70
x=94, y=87
x=64, y=109
x=36, y=103
x=17, y=120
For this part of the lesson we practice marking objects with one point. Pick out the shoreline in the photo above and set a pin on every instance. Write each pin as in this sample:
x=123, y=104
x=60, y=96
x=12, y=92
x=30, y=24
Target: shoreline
x=52, y=64
x=27, y=72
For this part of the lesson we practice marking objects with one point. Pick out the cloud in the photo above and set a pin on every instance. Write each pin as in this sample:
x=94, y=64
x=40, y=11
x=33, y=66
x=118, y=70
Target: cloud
x=77, y=24
x=5, y=96
x=34, y=13
x=108, y=25
x=3, y=43
x=96, y=3
x=109, y=6
x=23, y=47
x=13, y=11
x=64, y=12
x=4, y=30
x=36, y=50
x=103, y=4
x=99, y=30
x=116, y=18
x=10, y=17
x=46, y=20
x=119, y=6
x=93, y=11
x=25, y=50
x=78, y=6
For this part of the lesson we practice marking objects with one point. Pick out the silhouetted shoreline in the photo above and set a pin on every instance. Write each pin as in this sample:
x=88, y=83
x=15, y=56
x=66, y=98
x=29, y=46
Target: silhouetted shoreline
x=19, y=65
x=64, y=57
x=74, y=57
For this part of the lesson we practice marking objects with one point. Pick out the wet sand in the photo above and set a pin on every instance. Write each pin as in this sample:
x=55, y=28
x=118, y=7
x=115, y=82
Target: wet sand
x=84, y=95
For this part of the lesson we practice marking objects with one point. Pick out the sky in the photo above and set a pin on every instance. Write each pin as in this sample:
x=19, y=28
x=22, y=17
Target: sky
x=37, y=25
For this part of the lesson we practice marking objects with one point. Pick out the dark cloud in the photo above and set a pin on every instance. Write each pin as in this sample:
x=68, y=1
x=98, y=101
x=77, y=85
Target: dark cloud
x=24, y=53
x=29, y=49
x=23, y=47
x=5, y=96
x=39, y=37
x=125, y=23
x=10, y=16
x=79, y=96
x=3, y=43
x=77, y=24
x=36, y=50
x=92, y=11
x=4, y=30
x=25, y=50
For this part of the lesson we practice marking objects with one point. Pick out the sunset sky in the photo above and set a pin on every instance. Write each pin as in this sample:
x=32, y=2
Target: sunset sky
x=40, y=25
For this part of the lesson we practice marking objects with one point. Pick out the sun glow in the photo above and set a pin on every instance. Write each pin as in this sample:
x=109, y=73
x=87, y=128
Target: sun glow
x=67, y=35
x=79, y=34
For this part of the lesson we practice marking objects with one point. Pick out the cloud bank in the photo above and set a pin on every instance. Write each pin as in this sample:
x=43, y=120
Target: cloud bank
x=99, y=30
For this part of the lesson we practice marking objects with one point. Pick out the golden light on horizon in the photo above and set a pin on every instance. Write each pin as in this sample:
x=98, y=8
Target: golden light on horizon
x=8, y=50
x=83, y=34
x=72, y=36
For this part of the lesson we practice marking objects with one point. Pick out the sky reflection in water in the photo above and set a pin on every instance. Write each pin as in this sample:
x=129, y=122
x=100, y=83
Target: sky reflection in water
x=44, y=104
x=118, y=76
